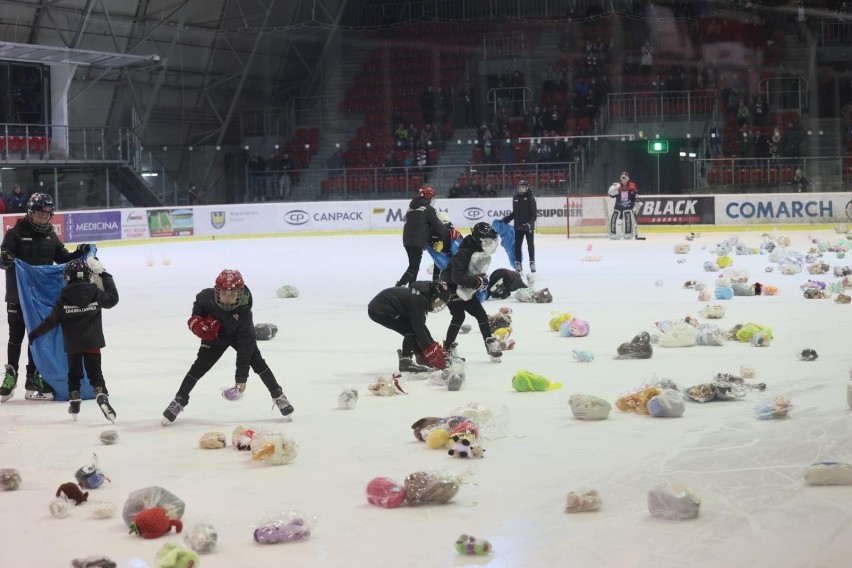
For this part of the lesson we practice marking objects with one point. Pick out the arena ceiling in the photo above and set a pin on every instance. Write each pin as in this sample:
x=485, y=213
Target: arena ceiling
x=159, y=63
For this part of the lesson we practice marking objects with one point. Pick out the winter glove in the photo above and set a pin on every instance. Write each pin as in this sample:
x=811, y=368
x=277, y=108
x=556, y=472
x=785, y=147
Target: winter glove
x=214, y=325
x=202, y=328
x=436, y=356
x=7, y=260
x=82, y=249
x=505, y=219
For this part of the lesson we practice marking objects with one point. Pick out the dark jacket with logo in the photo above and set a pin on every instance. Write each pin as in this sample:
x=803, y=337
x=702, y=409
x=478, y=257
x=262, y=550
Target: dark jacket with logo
x=78, y=311
x=408, y=303
x=237, y=329
x=524, y=210
x=422, y=225
x=460, y=271
x=32, y=247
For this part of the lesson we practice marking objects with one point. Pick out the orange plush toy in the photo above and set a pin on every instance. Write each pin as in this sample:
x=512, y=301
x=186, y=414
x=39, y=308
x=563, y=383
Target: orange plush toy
x=637, y=401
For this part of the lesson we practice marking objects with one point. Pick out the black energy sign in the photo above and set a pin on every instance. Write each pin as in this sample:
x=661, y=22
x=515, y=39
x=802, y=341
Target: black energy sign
x=676, y=210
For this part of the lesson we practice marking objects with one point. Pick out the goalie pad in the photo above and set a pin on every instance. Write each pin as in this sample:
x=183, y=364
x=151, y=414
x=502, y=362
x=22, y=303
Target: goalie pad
x=627, y=225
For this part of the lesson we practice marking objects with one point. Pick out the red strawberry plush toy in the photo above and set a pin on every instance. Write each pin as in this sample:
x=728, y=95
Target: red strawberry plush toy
x=154, y=523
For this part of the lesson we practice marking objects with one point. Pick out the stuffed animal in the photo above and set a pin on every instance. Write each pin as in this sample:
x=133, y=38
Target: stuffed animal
x=212, y=441
x=418, y=426
x=470, y=545
x=438, y=438
x=72, y=493
x=464, y=448
x=525, y=381
x=273, y=448
x=638, y=348
x=154, y=523
x=637, y=401
x=172, y=555
x=557, y=320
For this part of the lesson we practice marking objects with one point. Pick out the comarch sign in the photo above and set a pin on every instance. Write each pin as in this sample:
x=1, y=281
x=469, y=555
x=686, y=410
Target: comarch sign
x=782, y=208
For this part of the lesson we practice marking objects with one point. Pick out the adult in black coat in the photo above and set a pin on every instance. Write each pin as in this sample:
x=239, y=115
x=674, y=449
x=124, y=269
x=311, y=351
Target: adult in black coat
x=78, y=311
x=524, y=213
x=17, y=200
x=404, y=310
x=32, y=240
x=421, y=228
x=222, y=318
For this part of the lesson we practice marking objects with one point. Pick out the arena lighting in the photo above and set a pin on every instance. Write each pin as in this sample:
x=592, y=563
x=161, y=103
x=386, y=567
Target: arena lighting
x=149, y=174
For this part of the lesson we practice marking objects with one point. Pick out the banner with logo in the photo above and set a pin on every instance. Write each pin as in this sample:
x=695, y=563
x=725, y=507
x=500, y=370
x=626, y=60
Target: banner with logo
x=798, y=208
x=328, y=216
x=236, y=220
x=134, y=224
x=58, y=222
x=170, y=222
x=87, y=227
x=687, y=210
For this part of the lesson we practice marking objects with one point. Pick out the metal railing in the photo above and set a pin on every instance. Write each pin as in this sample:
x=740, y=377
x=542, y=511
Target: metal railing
x=495, y=46
x=520, y=97
x=660, y=105
x=55, y=143
x=555, y=178
x=379, y=14
x=832, y=173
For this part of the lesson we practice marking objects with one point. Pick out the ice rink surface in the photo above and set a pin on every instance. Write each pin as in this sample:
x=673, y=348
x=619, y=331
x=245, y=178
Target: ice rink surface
x=755, y=508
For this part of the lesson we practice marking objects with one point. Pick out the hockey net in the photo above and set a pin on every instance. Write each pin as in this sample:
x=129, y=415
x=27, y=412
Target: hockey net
x=588, y=216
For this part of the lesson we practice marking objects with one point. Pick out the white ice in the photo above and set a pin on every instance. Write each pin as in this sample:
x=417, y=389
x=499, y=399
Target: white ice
x=755, y=508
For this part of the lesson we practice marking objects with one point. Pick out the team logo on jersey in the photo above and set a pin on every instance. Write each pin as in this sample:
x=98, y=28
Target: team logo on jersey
x=217, y=219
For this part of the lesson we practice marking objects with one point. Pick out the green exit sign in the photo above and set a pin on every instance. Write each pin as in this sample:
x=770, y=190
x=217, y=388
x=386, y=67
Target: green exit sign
x=658, y=146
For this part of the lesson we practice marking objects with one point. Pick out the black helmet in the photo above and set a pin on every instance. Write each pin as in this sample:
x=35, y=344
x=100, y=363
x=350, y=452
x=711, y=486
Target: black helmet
x=439, y=295
x=77, y=270
x=482, y=231
x=523, y=186
x=40, y=203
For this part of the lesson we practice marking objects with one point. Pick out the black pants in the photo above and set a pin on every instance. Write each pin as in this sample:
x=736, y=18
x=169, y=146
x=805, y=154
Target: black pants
x=17, y=330
x=90, y=361
x=400, y=325
x=458, y=308
x=519, y=240
x=415, y=255
x=209, y=354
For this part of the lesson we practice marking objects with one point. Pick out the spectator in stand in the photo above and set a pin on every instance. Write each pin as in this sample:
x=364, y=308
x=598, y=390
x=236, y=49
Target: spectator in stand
x=516, y=82
x=715, y=134
x=256, y=172
x=273, y=170
x=507, y=153
x=775, y=143
x=468, y=97
x=800, y=183
x=17, y=200
x=761, y=146
x=647, y=59
x=426, y=137
x=761, y=111
x=335, y=163
x=391, y=162
x=489, y=190
x=285, y=181
x=550, y=80
x=402, y=135
x=743, y=113
x=456, y=191
x=192, y=196
x=793, y=139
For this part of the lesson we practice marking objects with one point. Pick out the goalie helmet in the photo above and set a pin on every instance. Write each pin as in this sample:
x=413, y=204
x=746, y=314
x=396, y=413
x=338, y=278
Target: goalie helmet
x=523, y=186
x=426, y=191
x=230, y=290
x=77, y=270
x=40, y=203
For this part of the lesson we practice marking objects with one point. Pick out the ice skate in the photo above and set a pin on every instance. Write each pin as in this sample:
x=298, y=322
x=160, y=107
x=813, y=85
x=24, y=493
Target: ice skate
x=283, y=404
x=171, y=412
x=37, y=389
x=519, y=268
x=74, y=404
x=532, y=266
x=103, y=403
x=7, y=389
x=407, y=364
x=452, y=350
x=492, y=345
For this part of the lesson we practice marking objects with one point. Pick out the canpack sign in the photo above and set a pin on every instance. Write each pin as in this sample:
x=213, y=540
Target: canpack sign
x=784, y=208
x=689, y=210
x=331, y=216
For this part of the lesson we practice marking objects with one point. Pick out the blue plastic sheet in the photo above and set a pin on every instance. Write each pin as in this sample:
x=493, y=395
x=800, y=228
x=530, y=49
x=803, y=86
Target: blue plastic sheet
x=38, y=290
x=507, y=238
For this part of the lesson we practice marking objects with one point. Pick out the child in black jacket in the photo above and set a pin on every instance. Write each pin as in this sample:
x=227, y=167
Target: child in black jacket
x=222, y=318
x=78, y=311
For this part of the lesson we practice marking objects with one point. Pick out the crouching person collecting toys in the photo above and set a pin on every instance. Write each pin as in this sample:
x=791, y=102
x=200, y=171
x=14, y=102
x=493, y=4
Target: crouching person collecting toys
x=624, y=191
x=78, y=312
x=404, y=311
x=222, y=318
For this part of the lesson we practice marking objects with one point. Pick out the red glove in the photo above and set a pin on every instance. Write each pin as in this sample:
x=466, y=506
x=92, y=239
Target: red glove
x=202, y=329
x=214, y=324
x=436, y=356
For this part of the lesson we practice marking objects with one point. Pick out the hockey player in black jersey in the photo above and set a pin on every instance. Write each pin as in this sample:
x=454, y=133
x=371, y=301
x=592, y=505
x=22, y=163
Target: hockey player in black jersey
x=404, y=311
x=422, y=228
x=222, y=318
x=78, y=312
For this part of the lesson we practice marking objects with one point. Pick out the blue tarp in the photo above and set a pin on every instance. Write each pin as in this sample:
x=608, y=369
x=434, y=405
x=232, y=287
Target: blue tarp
x=38, y=289
x=507, y=238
